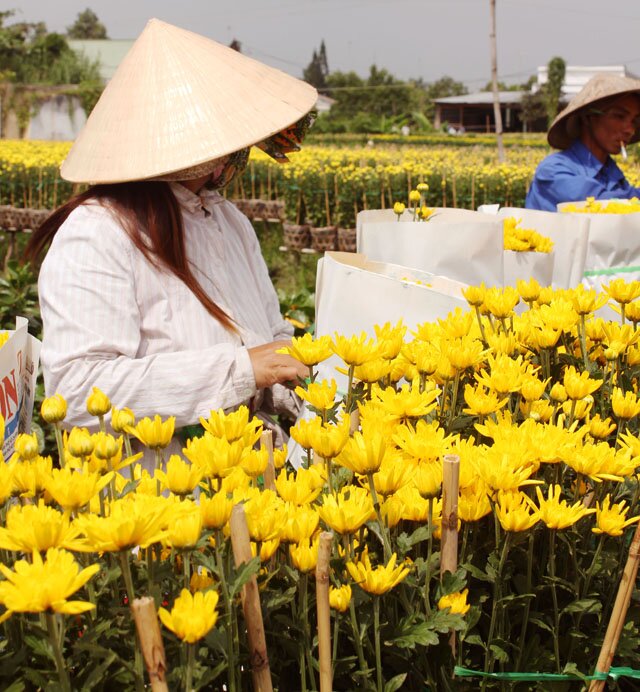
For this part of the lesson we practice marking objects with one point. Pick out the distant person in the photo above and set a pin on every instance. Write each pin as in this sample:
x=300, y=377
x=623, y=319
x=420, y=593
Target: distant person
x=601, y=120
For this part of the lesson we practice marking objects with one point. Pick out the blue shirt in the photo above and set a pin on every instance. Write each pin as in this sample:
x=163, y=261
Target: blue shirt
x=573, y=175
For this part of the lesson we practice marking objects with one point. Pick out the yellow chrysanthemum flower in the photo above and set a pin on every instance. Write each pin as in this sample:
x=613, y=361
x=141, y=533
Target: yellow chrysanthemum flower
x=299, y=487
x=73, y=489
x=340, y=597
x=377, y=580
x=355, y=350
x=578, y=385
x=192, y=615
x=233, y=426
x=304, y=554
x=307, y=350
x=612, y=519
x=121, y=419
x=302, y=523
x=40, y=586
x=37, y=528
x=319, y=395
x=455, y=602
x=216, y=510
x=347, y=511
x=156, y=433
x=98, y=403
x=556, y=513
x=515, y=511
x=132, y=521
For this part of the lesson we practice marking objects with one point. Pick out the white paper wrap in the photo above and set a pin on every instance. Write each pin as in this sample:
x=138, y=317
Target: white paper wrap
x=19, y=359
x=570, y=236
x=462, y=245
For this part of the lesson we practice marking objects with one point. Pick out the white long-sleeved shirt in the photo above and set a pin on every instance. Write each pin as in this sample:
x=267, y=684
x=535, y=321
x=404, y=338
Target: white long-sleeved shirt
x=114, y=321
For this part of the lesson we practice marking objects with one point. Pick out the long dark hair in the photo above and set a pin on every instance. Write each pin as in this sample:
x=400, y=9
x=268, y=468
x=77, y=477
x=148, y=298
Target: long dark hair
x=150, y=215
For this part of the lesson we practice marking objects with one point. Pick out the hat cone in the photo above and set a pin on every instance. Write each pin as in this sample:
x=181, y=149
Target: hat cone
x=177, y=100
x=600, y=86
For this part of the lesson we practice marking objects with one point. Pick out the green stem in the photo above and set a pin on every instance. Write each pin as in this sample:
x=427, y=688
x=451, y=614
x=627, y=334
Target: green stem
x=383, y=529
x=376, y=635
x=583, y=342
x=158, y=453
x=357, y=642
x=128, y=580
x=454, y=399
x=227, y=612
x=336, y=633
x=497, y=595
x=59, y=444
x=129, y=452
x=479, y=318
x=427, y=577
x=527, y=607
x=554, y=597
x=186, y=568
x=191, y=659
x=304, y=622
x=54, y=639
x=349, y=401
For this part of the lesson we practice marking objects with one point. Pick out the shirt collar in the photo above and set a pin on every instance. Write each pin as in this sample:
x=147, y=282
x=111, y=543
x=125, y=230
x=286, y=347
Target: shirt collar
x=592, y=164
x=203, y=202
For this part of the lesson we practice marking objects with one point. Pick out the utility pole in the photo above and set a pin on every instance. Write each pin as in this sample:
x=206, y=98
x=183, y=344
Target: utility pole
x=497, y=115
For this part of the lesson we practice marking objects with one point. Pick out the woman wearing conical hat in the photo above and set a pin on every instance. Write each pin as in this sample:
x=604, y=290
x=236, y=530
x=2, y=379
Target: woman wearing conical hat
x=601, y=120
x=154, y=288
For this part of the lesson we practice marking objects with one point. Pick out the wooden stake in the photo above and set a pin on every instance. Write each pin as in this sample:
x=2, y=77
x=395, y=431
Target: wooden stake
x=619, y=613
x=146, y=619
x=266, y=442
x=324, y=610
x=449, y=540
x=258, y=659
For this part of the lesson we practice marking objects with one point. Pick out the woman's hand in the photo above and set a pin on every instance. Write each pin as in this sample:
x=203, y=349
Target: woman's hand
x=271, y=368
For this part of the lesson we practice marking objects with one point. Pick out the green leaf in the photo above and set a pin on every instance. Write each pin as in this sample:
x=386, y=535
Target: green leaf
x=419, y=635
x=407, y=541
x=395, y=683
x=540, y=623
x=243, y=574
x=97, y=672
x=475, y=640
x=478, y=573
x=452, y=583
x=40, y=646
x=584, y=605
x=15, y=686
x=499, y=653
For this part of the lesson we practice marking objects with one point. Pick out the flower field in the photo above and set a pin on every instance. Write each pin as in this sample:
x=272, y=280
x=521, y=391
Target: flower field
x=322, y=185
x=538, y=411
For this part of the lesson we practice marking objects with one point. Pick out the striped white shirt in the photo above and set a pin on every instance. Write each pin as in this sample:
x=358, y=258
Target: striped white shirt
x=114, y=321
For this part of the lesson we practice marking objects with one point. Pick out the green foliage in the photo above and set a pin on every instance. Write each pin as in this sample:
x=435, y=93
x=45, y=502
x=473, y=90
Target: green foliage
x=87, y=25
x=29, y=54
x=553, y=88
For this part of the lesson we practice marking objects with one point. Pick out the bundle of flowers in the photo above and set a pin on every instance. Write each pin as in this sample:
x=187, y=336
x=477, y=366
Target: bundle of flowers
x=524, y=239
x=540, y=408
x=613, y=206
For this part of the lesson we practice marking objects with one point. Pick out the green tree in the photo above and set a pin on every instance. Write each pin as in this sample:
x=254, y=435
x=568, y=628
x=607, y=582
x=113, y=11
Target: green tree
x=441, y=88
x=556, y=70
x=317, y=71
x=533, y=108
x=87, y=25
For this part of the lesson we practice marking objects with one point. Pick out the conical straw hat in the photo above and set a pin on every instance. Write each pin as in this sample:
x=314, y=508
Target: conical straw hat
x=601, y=86
x=177, y=100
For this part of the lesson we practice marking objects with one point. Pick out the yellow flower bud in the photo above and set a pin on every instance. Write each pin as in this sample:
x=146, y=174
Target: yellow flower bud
x=98, y=403
x=54, y=409
x=26, y=446
x=121, y=418
x=80, y=443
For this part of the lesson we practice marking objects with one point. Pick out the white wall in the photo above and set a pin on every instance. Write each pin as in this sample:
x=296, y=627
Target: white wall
x=59, y=118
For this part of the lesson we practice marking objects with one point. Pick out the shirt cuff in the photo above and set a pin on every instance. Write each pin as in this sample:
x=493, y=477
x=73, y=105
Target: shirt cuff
x=245, y=381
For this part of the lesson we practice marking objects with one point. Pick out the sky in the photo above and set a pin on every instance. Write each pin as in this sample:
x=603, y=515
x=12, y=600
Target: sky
x=411, y=38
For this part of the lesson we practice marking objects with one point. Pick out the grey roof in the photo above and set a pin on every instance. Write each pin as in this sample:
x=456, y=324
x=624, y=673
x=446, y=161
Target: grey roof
x=482, y=98
x=108, y=52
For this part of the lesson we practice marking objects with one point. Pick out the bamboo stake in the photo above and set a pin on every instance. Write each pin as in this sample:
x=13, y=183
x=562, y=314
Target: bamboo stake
x=258, y=659
x=266, y=442
x=324, y=618
x=327, y=205
x=453, y=191
x=146, y=619
x=449, y=540
x=619, y=613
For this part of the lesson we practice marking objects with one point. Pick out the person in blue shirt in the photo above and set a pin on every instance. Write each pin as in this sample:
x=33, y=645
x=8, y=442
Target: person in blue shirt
x=601, y=120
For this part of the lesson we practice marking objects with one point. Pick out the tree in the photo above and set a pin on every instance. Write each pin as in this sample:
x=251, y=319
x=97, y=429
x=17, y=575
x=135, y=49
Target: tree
x=87, y=25
x=556, y=70
x=441, y=88
x=317, y=71
x=533, y=108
